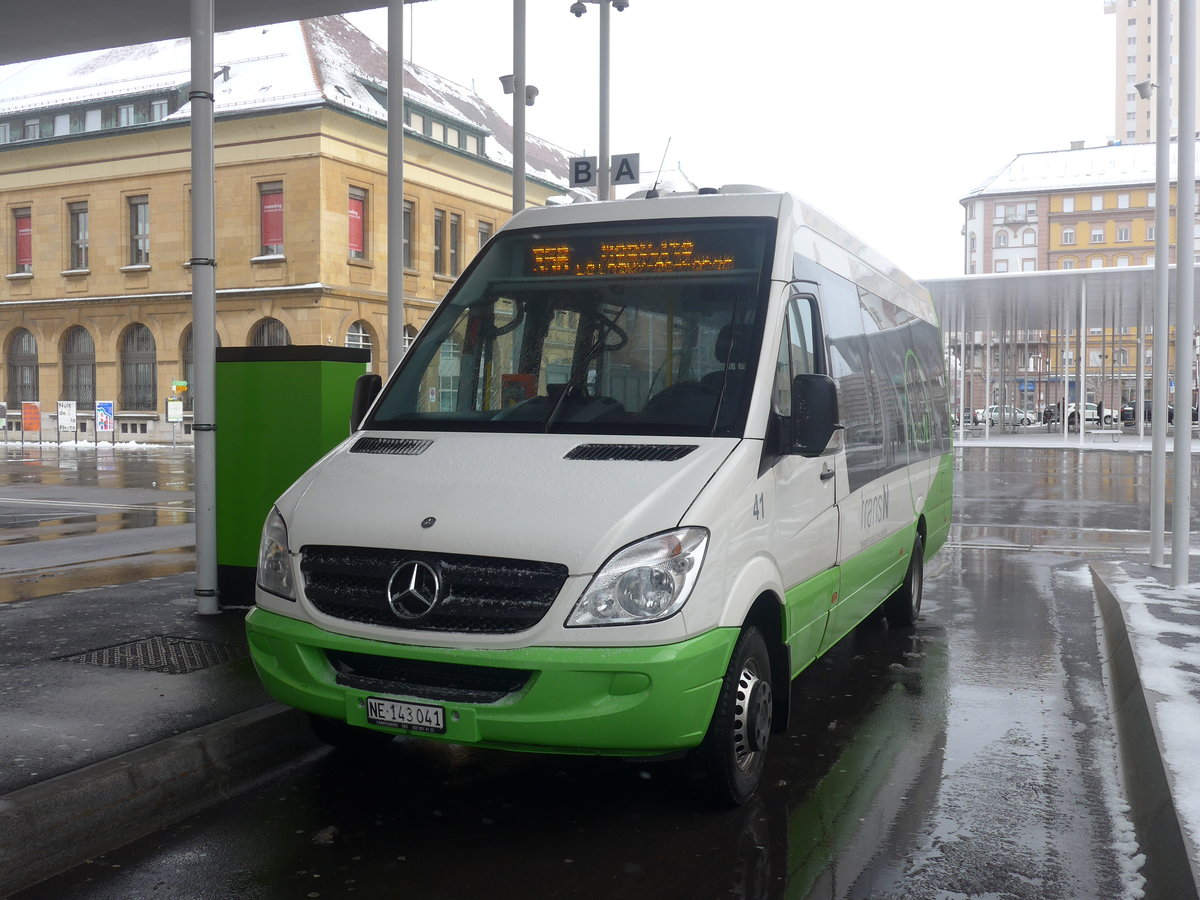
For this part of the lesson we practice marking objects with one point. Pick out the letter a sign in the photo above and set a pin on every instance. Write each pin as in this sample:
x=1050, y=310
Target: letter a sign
x=625, y=168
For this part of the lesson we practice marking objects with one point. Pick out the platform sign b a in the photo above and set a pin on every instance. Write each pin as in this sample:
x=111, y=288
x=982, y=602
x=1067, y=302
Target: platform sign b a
x=624, y=168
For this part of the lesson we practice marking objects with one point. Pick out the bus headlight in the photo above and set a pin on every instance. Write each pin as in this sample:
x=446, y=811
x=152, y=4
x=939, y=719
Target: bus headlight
x=645, y=582
x=274, y=563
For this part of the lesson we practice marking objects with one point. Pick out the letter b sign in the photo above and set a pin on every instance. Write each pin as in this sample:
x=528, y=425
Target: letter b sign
x=583, y=171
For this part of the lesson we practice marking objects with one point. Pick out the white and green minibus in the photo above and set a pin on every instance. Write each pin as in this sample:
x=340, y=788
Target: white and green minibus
x=647, y=461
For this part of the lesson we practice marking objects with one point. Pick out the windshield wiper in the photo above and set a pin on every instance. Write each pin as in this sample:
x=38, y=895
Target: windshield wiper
x=577, y=375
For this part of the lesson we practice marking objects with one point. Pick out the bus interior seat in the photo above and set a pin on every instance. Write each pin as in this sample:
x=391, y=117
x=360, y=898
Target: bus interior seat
x=732, y=350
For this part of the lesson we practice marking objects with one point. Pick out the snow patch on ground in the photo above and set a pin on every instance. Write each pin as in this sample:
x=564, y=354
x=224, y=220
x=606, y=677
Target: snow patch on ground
x=1164, y=630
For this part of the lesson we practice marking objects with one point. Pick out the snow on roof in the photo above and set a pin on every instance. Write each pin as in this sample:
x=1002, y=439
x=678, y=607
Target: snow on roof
x=323, y=60
x=1090, y=167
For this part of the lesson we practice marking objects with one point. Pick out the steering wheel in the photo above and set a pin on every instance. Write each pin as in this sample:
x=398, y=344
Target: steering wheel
x=680, y=394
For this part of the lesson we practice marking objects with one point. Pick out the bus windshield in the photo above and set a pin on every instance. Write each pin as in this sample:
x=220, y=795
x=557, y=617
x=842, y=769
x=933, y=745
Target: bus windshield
x=620, y=328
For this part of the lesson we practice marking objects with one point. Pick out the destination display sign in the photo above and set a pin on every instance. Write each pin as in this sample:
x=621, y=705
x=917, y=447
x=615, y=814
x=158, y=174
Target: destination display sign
x=627, y=257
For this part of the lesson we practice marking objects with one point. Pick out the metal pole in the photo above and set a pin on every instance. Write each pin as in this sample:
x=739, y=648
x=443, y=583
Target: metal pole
x=1081, y=365
x=987, y=372
x=395, y=170
x=1185, y=274
x=605, y=161
x=1162, y=286
x=1139, y=400
x=518, y=151
x=962, y=366
x=204, y=305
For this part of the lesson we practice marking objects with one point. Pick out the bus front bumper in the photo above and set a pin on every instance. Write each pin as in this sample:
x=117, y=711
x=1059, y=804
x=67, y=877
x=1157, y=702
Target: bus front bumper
x=623, y=701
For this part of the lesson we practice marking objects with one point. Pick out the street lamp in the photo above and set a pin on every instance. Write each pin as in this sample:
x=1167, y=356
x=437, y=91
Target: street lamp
x=578, y=8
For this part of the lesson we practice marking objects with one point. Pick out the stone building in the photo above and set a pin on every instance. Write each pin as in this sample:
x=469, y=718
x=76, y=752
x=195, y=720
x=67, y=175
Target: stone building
x=95, y=216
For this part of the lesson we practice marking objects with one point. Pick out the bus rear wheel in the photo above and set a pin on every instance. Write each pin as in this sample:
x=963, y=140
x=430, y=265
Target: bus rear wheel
x=729, y=763
x=904, y=606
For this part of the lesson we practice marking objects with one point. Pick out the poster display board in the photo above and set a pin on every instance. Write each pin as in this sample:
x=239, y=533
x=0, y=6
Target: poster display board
x=104, y=416
x=67, y=419
x=31, y=416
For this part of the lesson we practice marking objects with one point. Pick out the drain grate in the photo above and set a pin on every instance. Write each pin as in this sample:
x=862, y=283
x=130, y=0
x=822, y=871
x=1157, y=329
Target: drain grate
x=166, y=654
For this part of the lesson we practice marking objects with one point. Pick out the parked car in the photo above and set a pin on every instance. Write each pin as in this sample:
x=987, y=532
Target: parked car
x=1128, y=414
x=1091, y=416
x=1007, y=415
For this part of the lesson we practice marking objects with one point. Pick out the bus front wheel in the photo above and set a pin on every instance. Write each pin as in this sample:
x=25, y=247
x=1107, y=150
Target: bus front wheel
x=904, y=606
x=729, y=763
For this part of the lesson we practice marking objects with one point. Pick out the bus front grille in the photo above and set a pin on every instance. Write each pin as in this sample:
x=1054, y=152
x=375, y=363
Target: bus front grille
x=475, y=594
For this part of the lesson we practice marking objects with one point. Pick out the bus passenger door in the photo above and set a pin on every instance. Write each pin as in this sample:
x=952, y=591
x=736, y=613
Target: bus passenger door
x=804, y=524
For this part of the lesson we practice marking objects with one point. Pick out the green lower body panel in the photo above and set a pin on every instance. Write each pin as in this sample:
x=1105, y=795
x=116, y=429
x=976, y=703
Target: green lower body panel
x=621, y=701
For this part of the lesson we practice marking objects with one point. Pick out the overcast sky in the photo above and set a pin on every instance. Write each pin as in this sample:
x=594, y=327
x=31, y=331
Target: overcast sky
x=883, y=114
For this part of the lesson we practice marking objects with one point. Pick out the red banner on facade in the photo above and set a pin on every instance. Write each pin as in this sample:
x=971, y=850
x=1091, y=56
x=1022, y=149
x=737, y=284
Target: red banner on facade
x=272, y=219
x=356, y=225
x=24, y=241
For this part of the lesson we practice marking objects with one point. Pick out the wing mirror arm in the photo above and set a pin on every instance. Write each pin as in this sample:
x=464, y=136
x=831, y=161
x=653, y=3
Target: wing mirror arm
x=366, y=389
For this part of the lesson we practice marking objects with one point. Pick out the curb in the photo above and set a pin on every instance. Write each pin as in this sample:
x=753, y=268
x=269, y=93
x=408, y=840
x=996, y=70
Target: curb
x=49, y=827
x=1170, y=871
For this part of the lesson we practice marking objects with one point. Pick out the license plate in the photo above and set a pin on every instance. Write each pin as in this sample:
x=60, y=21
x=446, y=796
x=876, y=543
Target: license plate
x=412, y=716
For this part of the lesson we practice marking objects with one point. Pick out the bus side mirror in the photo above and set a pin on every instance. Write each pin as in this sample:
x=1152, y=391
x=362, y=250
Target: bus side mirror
x=814, y=413
x=366, y=389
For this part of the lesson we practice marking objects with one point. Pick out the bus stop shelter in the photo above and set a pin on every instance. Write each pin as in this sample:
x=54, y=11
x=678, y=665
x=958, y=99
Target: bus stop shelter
x=1039, y=324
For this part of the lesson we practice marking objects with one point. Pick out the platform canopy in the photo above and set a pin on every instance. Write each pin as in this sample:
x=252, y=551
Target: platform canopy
x=57, y=27
x=1033, y=301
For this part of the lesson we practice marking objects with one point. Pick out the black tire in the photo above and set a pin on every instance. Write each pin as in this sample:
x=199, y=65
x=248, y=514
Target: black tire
x=904, y=606
x=346, y=737
x=729, y=763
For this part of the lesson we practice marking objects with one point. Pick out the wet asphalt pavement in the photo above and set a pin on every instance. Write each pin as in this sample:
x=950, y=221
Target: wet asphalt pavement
x=973, y=756
x=78, y=517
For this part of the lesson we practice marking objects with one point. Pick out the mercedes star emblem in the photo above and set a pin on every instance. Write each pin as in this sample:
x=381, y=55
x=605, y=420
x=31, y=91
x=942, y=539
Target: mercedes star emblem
x=413, y=590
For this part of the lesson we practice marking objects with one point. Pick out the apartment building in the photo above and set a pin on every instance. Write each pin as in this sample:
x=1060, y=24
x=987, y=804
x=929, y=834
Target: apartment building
x=1136, y=61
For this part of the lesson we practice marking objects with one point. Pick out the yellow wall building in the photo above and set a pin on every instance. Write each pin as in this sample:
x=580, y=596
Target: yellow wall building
x=95, y=217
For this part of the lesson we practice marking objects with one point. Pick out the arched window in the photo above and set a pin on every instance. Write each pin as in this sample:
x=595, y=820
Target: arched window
x=270, y=333
x=22, y=357
x=972, y=242
x=1067, y=263
x=358, y=336
x=139, y=369
x=1028, y=237
x=1002, y=238
x=79, y=367
x=410, y=335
